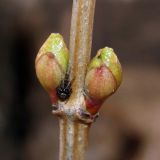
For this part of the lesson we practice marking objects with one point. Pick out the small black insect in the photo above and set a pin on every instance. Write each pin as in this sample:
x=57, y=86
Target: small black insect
x=64, y=90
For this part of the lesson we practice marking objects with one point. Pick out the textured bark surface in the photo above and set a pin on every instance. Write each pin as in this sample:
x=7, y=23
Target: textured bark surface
x=80, y=42
x=73, y=140
x=74, y=132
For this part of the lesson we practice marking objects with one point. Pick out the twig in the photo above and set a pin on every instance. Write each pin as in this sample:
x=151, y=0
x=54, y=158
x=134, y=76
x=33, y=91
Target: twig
x=74, y=131
x=73, y=140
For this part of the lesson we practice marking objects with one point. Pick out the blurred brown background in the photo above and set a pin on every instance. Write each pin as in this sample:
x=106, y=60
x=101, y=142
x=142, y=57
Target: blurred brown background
x=129, y=125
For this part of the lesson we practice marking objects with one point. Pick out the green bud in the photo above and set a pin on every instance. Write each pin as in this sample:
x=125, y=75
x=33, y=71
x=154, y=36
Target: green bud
x=103, y=77
x=108, y=58
x=51, y=63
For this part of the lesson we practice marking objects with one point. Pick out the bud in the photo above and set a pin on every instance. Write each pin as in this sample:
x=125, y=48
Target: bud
x=51, y=64
x=103, y=77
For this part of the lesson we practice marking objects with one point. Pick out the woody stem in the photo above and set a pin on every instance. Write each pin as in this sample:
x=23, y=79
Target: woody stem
x=73, y=132
x=80, y=41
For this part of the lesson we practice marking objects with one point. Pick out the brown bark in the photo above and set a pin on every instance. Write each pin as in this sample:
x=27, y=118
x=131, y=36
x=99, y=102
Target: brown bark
x=73, y=126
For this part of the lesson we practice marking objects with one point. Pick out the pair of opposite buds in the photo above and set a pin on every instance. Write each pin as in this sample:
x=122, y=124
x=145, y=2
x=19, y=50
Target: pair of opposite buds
x=103, y=77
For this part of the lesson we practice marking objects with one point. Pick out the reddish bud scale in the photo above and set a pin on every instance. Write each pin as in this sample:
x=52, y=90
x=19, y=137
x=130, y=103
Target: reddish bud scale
x=92, y=106
x=53, y=96
x=49, y=74
x=100, y=83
